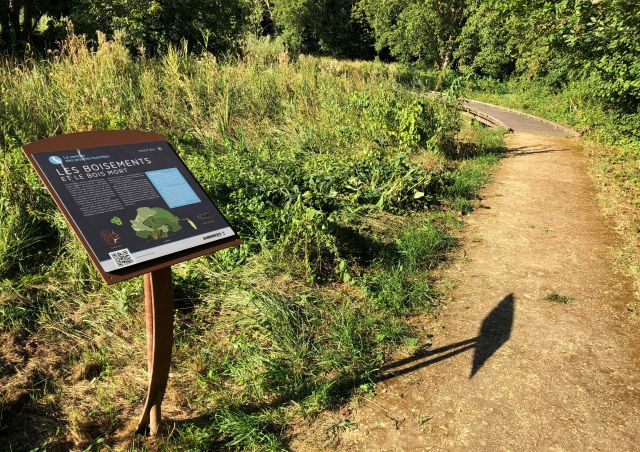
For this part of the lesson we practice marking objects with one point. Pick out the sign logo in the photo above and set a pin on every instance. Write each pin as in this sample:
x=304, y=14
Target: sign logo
x=55, y=160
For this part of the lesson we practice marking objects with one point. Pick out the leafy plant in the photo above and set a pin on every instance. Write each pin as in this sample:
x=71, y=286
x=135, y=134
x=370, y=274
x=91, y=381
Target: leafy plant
x=155, y=223
x=320, y=165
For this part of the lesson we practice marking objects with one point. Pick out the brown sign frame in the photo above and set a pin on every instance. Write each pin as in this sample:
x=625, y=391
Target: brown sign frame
x=85, y=140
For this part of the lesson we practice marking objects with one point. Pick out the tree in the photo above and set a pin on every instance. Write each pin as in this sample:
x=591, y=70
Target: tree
x=15, y=30
x=322, y=26
x=416, y=30
x=20, y=19
x=483, y=43
x=213, y=25
x=570, y=39
x=216, y=25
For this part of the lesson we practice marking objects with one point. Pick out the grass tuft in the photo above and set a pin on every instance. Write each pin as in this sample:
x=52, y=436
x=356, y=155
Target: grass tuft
x=558, y=298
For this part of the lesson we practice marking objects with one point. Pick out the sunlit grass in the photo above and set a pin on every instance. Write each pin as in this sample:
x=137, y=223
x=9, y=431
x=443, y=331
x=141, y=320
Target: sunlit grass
x=309, y=159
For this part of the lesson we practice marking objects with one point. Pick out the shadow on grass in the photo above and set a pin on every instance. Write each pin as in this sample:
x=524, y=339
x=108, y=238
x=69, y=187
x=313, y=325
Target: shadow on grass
x=470, y=150
x=187, y=292
x=363, y=249
x=26, y=425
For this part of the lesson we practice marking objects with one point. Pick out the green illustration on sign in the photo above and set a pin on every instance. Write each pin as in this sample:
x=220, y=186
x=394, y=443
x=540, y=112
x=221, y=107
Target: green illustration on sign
x=155, y=223
x=117, y=221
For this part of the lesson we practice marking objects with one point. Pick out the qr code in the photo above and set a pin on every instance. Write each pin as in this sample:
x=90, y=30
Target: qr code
x=122, y=258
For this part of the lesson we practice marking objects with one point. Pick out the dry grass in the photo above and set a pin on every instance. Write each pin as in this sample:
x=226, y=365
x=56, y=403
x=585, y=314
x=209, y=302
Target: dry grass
x=616, y=176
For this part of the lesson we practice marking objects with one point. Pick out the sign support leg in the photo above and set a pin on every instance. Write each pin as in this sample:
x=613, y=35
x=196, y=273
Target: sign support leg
x=158, y=297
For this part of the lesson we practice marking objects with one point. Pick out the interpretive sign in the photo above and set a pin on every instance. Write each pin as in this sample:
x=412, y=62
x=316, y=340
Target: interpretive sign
x=137, y=210
x=131, y=200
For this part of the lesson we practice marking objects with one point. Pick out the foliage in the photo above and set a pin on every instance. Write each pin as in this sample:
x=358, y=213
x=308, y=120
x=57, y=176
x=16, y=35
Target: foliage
x=482, y=42
x=561, y=42
x=325, y=26
x=21, y=21
x=211, y=25
x=331, y=172
x=416, y=30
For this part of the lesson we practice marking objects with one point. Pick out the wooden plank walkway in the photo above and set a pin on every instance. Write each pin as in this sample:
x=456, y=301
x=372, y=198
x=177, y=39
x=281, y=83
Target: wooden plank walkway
x=519, y=122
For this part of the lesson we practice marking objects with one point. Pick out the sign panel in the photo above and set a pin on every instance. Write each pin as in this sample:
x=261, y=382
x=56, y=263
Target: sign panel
x=131, y=204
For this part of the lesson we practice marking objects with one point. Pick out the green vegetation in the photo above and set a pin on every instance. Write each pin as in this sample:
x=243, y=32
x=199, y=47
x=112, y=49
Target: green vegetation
x=574, y=105
x=343, y=185
x=155, y=223
x=143, y=26
x=558, y=298
x=585, y=52
x=416, y=30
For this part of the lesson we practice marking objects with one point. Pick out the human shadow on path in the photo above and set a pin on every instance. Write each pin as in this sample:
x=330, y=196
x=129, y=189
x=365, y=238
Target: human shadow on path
x=494, y=332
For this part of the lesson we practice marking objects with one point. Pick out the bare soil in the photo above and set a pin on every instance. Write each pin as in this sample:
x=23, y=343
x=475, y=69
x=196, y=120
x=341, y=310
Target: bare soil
x=509, y=369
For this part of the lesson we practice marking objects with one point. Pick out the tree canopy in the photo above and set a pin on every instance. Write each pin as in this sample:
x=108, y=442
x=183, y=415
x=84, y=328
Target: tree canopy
x=416, y=30
x=213, y=25
x=557, y=41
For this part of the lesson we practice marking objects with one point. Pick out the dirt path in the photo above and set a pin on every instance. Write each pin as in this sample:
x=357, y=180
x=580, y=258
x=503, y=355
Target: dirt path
x=509, y=370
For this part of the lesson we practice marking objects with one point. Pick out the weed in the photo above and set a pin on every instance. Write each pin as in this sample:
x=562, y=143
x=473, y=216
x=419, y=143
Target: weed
x=342, y=425
x=558, y=298
x=247, y=432
x=399, y=292
x=423, y=418
x=423, y=247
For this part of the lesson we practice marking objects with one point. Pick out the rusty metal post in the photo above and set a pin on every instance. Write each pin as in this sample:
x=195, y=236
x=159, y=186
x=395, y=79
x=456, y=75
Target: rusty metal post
x=158, y=297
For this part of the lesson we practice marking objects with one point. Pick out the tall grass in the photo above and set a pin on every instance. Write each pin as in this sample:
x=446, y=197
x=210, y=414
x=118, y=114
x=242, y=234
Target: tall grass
x=332, y=173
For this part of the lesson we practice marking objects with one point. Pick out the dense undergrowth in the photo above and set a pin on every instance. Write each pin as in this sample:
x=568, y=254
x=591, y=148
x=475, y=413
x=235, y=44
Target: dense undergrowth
x=344, y=186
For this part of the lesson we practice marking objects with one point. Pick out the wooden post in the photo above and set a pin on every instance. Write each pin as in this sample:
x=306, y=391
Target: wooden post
x=158, y=297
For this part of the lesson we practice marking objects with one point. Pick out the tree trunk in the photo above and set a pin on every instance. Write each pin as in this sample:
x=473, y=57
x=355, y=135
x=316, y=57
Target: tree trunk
x=27, y=21
x=14, y=17
x=5, y=27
